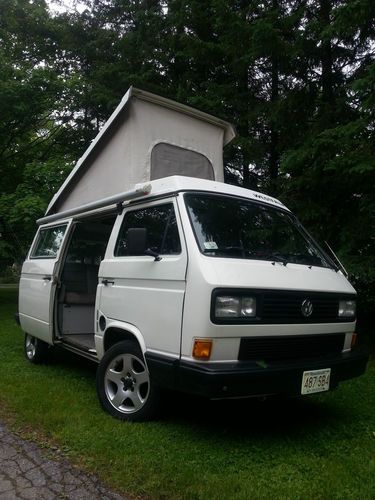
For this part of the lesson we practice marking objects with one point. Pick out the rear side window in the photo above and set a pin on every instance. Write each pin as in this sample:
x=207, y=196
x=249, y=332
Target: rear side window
x=162, y=232
x=49, y=242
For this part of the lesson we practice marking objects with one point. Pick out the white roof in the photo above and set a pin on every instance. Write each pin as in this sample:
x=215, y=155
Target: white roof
x=177, y=183
x=163, y=187
x=120, y=155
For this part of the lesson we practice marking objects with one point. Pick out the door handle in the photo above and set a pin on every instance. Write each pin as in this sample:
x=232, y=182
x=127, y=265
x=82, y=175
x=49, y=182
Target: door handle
x=46, y=278
x=108, y=282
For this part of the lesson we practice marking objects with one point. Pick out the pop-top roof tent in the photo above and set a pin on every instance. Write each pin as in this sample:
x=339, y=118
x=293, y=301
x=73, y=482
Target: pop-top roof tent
x=147, y=137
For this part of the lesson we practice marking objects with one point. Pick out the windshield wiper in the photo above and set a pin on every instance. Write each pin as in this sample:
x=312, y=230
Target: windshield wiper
x=279, y=258
x=307, y=260
x=275, y=257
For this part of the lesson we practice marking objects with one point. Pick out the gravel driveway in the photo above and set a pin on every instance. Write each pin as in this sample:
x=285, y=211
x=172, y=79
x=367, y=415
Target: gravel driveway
x=26, y=473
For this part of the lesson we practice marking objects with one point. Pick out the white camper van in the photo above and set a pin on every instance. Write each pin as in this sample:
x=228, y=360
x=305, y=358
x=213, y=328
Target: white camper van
x=148, y=264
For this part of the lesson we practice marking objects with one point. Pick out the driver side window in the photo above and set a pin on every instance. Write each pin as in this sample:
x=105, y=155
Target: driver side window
x=162, y=231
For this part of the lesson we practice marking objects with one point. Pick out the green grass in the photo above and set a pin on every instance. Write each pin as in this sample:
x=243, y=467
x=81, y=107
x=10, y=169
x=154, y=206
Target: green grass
x=320, y=447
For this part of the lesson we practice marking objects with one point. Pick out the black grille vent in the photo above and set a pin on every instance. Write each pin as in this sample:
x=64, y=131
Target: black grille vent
x=290, y=347
x=286, y=307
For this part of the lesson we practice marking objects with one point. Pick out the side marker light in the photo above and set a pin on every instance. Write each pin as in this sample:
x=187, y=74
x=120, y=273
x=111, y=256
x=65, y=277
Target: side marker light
x=354, y=339
x=202, y=349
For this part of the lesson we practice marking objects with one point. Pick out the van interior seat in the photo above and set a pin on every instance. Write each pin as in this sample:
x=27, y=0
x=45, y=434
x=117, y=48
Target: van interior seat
x=80, y=281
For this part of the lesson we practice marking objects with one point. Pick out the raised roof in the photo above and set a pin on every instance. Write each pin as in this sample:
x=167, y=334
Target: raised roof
x=145, y=129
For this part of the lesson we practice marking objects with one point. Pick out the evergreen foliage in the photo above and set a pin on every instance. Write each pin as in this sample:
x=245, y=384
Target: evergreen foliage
x=296, y=77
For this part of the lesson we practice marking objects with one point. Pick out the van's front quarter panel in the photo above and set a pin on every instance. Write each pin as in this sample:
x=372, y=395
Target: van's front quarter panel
x=230, y=370
x=207, y=274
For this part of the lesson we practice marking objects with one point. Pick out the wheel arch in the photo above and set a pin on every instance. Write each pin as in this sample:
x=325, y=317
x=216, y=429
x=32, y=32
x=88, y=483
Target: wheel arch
x=118, y=331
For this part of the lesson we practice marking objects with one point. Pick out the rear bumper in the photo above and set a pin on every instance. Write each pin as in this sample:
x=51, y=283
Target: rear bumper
x=246, y=379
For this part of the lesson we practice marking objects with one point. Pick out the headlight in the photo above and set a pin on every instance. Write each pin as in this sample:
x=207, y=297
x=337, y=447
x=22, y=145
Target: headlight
x=227, y=306
x=347, y=308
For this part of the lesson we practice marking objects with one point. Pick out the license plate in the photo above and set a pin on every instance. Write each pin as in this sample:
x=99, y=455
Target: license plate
x=315, y=381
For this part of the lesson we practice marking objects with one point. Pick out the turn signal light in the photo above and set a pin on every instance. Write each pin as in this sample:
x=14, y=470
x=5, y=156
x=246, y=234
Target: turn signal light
x=202, y=349
x=354, y=339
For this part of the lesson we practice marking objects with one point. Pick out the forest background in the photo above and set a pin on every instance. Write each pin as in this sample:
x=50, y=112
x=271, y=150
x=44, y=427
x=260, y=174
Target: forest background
x=296, y=78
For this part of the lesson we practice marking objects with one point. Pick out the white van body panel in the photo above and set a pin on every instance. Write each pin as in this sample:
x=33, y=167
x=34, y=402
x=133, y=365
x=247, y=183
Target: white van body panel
x=147, y=294
x=207, y=273
x=264, y=274
x=37, y=289
x=204, y=277
x=151, y=304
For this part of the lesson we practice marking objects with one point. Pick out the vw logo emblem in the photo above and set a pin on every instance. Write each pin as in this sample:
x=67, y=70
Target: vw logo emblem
x=307, y=308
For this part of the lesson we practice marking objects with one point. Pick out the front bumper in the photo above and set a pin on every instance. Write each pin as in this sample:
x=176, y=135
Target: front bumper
x=249, y=378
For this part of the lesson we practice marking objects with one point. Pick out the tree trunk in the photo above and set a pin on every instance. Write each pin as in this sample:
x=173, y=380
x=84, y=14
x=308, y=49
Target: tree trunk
x=244, y=128
x=274, y=155
x=326, y=53
x=245, y=170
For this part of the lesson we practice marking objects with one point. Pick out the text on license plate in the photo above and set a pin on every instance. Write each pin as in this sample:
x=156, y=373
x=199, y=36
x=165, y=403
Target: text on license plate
x=315, y=381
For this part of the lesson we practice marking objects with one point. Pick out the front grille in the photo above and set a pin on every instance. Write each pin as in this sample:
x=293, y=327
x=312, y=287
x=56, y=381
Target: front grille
x=285, y=307
x=290, y=347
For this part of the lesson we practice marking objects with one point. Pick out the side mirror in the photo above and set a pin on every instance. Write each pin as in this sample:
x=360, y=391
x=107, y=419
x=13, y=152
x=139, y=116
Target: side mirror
x=136, y=239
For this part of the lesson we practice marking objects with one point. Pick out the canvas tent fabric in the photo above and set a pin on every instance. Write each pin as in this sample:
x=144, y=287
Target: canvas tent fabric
x=147, y=137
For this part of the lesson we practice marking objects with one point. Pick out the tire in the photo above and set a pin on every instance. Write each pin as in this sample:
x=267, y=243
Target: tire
x=36, y=351
x=123, y=384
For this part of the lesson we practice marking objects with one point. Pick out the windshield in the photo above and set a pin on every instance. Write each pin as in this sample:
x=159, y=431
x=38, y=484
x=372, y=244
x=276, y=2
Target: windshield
x=241, y=229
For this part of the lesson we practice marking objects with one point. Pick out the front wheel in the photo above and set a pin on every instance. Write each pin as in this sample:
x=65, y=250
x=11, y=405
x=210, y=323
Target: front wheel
x=36, y=351
x=124, y=385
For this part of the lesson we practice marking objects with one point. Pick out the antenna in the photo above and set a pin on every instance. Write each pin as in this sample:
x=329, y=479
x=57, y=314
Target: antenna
x=337, y=260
